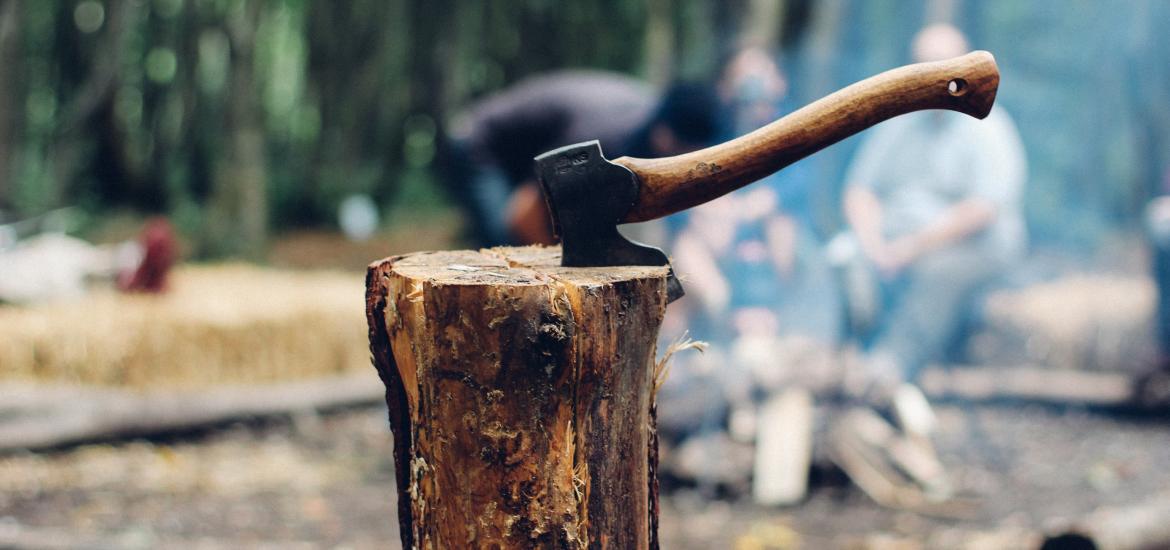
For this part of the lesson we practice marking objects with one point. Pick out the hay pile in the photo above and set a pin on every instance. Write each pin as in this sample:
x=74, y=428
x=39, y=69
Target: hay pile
x=226, y=324
x=1091, y=322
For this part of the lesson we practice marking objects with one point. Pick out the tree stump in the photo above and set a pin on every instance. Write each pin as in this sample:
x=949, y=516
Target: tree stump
x=521, y=397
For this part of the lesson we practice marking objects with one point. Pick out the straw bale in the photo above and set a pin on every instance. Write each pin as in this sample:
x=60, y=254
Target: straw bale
x=1092, y=322
x=229, y=323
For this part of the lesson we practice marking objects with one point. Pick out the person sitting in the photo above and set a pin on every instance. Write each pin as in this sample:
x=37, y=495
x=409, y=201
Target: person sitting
x=933, y=199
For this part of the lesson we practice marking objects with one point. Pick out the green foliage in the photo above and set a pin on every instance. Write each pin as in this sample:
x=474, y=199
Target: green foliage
x=156, y=105
x=145, y=104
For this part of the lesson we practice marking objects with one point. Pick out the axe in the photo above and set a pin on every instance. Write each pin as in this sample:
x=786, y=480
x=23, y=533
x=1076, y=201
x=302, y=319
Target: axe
x=589, y=196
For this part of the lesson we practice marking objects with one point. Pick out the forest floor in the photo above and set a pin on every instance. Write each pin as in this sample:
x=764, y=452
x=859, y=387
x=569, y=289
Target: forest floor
x=326, y=481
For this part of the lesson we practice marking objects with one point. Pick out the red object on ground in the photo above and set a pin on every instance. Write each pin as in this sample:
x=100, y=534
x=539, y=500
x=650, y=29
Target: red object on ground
x=158, y=255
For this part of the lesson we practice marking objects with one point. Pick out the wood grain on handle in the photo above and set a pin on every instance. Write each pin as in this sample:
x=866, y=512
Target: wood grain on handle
x=965, y=84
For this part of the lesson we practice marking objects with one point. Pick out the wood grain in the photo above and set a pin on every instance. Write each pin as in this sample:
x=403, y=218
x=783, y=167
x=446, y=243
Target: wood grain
x=965, y=84
x=520, y=396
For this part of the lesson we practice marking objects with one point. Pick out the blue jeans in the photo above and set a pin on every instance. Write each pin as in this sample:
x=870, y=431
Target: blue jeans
x=482, y=191
x=924, y=308
x=1162, y=281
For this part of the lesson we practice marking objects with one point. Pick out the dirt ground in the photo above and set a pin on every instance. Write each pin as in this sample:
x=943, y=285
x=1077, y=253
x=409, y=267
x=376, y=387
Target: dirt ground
x=326, y=481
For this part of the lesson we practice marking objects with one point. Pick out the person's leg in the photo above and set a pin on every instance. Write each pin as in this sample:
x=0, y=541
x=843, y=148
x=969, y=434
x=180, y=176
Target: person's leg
x=481, y=191
x=859, y=289
x=1162, y=282
x=924, y=318
x=809, y=301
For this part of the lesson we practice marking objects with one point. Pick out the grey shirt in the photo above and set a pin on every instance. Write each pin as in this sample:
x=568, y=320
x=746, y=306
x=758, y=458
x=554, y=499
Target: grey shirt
x=921, y=164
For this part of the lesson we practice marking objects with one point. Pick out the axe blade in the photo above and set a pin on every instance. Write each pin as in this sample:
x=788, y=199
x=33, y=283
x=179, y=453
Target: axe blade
x=588, y=196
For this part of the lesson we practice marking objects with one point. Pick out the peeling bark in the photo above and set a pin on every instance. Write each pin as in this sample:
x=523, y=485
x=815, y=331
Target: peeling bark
x=520, y=397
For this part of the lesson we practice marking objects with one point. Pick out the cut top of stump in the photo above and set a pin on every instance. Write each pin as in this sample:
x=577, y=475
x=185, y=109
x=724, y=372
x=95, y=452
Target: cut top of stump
x=510, y=266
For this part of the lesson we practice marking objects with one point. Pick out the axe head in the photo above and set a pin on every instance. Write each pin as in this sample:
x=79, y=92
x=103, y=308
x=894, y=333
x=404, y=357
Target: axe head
x=588, y=196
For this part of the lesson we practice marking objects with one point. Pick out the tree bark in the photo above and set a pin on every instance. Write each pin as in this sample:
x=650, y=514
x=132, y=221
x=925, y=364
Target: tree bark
x=520, y=397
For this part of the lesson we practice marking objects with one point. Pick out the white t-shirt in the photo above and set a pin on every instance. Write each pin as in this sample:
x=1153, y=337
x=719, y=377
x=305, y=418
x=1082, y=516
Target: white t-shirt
x=921, y=164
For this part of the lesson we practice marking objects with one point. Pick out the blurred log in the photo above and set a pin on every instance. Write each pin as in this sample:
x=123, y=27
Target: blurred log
x=784, y=444
x=15, y=535
x=1100, y=323
x=1144, y=526
x=1030, y=383
x=860, y=444
x=41, y=416
x=951, y=538
x=520, y=397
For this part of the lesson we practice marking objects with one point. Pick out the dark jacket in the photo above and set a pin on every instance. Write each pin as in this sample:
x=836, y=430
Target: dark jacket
x=510, y=127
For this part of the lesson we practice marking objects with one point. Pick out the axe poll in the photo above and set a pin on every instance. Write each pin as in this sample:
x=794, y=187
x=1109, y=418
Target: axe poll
x=589, y=196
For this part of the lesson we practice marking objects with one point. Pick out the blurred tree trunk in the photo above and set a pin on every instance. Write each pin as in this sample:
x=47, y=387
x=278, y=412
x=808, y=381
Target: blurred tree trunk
x=89, y=110
x=727, y=28
x=431, y=48
x=351, y=97
x=659, y=46
x=761, y=22
x=393, y=102
x=326, y=87
x=10, y=98
x=701, y=29
x=432, y=55
x=191, y=150
x=160, y=100
x=239, y=202
x=1147, y=102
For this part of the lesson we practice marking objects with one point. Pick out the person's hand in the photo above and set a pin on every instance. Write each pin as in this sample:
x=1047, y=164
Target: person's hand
x=877, y=251
x=890, y=258
x=527, y=216
x=697, y=263
x=1158, y=221
x=900, y=254
x=874, y=248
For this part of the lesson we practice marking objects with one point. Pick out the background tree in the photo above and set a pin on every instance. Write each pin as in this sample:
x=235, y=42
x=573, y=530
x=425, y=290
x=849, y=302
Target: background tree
x=10, y=111
x=238, y=118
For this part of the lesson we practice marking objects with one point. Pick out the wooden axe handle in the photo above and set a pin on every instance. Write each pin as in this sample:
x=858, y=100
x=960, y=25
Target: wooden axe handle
x=965, y=84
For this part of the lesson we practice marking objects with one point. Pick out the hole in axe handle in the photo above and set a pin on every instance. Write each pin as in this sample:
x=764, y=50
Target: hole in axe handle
x=957, y=87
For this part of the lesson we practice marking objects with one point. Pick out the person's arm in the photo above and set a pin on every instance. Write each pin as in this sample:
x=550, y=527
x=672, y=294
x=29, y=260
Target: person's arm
x=863, y=211
x=781, y=235
x=694, y=260
x=527, y=216
x=996, y=181
x=863, y=208
x=959, y=222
